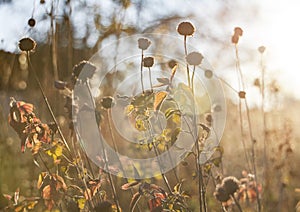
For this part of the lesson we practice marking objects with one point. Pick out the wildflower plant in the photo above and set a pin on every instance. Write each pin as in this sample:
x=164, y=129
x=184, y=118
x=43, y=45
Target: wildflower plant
x=173, y=114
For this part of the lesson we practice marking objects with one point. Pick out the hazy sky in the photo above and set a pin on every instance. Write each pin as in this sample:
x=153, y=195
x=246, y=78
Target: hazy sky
x=272, y=23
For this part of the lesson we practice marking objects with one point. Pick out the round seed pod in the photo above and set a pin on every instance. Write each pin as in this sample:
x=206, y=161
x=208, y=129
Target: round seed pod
x=27, y=44
x=231, y=185
x=238, y=31
x=148, y=62
x=172, y=63
x=221, y=194
x=261, y=49
x=143, y=43
x=208, y=74
x=107, y=102
x=242, y=94
x=186, y=29
x=194, y=58
x=31, y=22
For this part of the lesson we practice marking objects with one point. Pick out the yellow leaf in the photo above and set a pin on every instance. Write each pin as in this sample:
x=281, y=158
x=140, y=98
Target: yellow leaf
x=176, y=118
x=19, y=208
x=32, y=204
x=81, y=203
x=174, y=69
x=158, y=99
x=41, y=179
x=129, y=109
x=140, y=125
x=59, y=150
x=48, y=152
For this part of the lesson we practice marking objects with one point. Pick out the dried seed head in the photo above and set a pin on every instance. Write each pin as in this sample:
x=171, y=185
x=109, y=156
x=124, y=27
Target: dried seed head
x=208, y=74
x=209, y=118
x=235, y=39
x=31, y=22
x=27, y=44
x=89, y=70
x=172, y=63
x=231, y=185
x=148, y=62
x=194, y=58
x=107, y=102
x=261, y=49
x=186, y=28
x=238, y=31
x=256, y=82
x=242, y=94
x=217, y=108
x=221, y=194
x=144, y=43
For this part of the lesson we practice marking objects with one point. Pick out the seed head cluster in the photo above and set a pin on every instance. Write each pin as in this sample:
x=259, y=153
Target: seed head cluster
x=227, y=188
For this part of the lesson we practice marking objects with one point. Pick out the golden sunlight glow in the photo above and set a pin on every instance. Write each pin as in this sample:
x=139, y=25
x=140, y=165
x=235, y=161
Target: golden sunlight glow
x=282, y=42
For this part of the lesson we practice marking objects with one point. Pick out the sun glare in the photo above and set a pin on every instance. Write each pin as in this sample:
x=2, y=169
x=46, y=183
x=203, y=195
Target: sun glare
x=282, y=41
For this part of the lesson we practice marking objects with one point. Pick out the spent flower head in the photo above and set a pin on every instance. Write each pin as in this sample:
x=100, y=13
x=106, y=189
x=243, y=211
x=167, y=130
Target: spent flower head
x=186, y=28
x=89, y=70
x=143, y=43
x=148, y=62
x=208, y=73
x=31, y=22
x=221, y=194
x=261, y=49
x=172, y=63
x=235, y=39
x=242, y=94
x=27, y=44
x=107, y=102
x=238, y=31
x=231, y=185
x=194, y=58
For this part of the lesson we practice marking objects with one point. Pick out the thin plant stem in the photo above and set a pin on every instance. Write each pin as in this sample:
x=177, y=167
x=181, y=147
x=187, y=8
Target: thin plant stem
x=44, y=163
x=53, y=42
x=169, y=155
x=242, y=135
x=238, y=68
x=142, y=61
x=47, y=102
x=150, y=79
x=237, y=203
x=158, y=160
x=227, y=84
x=187, y=66
x=264, y=135
x=174, y=169
x=110, y=179
x=253, y=156
x=200, y=177
x=116, y=150
x=193, y=75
